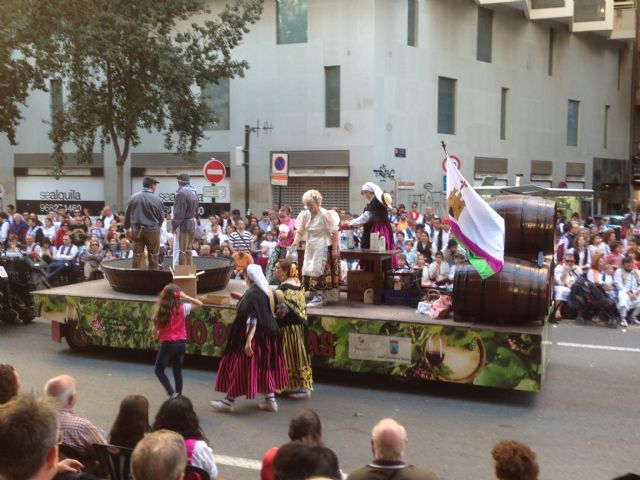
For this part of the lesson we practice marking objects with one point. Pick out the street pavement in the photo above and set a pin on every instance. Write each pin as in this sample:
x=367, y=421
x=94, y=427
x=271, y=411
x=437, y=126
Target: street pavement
x=583, y=425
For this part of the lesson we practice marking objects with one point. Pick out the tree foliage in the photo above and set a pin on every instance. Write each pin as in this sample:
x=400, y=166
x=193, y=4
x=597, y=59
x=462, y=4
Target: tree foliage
x=133, y=66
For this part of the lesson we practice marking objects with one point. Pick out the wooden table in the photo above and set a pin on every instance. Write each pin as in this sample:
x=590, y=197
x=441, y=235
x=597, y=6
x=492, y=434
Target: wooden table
x=377, y=262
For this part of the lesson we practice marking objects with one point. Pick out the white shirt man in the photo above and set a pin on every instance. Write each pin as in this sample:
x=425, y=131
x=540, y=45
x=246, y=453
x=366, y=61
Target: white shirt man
x=628, y=283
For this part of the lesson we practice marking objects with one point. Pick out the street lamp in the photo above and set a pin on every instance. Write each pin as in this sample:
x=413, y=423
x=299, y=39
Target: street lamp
x=248, y=130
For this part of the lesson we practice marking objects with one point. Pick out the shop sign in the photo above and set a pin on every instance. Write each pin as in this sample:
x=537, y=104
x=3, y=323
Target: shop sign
x=41, y=194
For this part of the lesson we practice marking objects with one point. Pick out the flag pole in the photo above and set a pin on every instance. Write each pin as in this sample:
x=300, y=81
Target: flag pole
x=444, y=147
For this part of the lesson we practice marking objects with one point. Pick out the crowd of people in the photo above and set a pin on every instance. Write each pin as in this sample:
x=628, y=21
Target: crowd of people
x=596, y=275
x=79, y=241
x=34, y=429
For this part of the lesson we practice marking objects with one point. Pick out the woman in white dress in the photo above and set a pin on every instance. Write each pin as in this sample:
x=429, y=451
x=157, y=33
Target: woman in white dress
x=319, y=228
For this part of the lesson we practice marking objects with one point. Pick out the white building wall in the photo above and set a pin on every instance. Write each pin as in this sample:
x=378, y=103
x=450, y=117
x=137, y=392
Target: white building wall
x=389, y=94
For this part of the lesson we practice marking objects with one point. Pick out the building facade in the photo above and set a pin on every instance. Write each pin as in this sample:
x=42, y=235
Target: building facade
x=365, y=90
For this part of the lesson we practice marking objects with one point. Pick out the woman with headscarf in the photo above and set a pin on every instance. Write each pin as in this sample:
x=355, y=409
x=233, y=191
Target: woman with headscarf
x=292, y=318
x=374, y=219
x=321, y=270
x=253, y=361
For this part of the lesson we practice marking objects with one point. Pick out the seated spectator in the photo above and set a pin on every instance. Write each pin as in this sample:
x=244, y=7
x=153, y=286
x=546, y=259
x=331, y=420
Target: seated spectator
x=438, y=271
x=451, y=251
x=304, y=427
x=410, y=253
x=388, y=446
x=13, y=250
x=78, y=232
x=615, y=257
x=159, y=455
x=205, y=250
x=125, y=249
x=243, y=260
x=31, y=248
x=62, y=231
x=225, y=252
x=421, y=263
x=297, y=461
x=514, y=460
x=628, y=285
x=459, y=260
x=565, y=276
x=64, y=259
x=401, y=263
x=581, y=253
x=76, y=431
x=19, y=227
x=132, y=422
x=177, y=414
x=49, y=230
x=400, y=239
x=424, y=246
x=47, y=250
x=35, y=229
x=9, y=383
x=29, y=439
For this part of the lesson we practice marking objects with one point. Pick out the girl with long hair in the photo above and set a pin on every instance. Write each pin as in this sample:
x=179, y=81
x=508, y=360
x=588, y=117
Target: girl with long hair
x=132, y=422
x=169, y=315
x=177, y=414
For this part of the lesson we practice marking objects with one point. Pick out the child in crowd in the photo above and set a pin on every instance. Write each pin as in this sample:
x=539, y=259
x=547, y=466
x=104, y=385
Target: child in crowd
x=411, y=255
x=169, y=314
x=401, y=263
x=268, y=244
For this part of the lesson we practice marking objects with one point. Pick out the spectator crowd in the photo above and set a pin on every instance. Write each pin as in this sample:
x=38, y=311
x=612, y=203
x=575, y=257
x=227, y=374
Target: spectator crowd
x=39, y=434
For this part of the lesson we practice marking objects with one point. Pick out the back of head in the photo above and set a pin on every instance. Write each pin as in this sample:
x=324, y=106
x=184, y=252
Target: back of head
x=294, y=461
x=388, y=440
x=132, y=421
x=9, y=384
x=177, y=414
x=62, y=388
x=325, y=463
x=28, y=433
x=159, y=455
x=514, y=461
x=305, y=426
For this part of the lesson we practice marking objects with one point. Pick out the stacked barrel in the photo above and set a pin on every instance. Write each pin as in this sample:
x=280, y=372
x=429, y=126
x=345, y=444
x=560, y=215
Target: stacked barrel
x=520, y=293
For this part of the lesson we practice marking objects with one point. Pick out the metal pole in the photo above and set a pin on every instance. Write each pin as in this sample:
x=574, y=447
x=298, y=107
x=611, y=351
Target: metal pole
x=247, y=133
x=280, y=197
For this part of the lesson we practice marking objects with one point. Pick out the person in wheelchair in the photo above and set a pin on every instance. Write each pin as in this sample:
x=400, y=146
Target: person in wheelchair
x=64, y=259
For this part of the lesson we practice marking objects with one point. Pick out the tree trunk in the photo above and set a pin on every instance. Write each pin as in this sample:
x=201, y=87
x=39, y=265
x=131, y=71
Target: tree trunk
x=120, y=186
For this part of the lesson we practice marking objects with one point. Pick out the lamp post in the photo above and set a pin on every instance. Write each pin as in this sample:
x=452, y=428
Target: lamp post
x=248, y=130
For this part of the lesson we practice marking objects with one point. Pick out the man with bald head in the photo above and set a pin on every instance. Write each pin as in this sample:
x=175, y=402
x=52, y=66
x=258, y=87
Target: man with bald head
x=388, y=444
x=76, y=431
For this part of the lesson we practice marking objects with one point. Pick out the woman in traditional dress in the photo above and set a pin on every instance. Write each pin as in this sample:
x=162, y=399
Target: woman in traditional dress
x=321, y=267
x=292, y=318
x=374, y=219
x=286, y=235
x=253, y=361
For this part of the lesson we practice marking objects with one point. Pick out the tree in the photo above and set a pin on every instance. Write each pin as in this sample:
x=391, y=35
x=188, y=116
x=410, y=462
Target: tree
x=136, y=65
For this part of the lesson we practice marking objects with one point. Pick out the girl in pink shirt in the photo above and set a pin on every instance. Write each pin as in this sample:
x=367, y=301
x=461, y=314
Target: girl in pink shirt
x=169, y=314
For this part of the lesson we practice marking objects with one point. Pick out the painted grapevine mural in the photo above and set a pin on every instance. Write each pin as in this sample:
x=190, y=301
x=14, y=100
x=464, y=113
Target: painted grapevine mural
x=446, y=353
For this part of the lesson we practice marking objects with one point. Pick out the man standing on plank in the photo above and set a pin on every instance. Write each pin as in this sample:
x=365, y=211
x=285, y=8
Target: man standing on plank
x=185, y=209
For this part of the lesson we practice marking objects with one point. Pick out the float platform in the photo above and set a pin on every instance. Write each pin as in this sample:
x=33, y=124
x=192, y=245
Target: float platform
x=349, y=336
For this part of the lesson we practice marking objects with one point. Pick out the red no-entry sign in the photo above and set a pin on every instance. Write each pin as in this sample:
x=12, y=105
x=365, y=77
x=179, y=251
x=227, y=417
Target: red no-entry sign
x=214, y=171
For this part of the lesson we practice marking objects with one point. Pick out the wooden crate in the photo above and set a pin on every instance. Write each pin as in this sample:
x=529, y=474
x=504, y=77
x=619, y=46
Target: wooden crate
x=357, y=282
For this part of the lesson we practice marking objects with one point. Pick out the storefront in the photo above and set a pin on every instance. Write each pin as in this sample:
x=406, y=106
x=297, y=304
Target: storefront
x=80, y=187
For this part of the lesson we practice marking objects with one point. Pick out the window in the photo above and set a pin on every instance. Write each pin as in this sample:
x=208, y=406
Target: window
x=485, y=21
x=573, y=117
x=503, y=114
x=332, y=97
x=446, y=105
x=57, y=99
x=412, y=23
x=606, y=125
x=216, y=96
x=552, y=37
x=292, y=21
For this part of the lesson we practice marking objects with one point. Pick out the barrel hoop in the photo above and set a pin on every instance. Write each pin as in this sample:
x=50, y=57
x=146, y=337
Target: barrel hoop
x=523, y=222
x=516, y=289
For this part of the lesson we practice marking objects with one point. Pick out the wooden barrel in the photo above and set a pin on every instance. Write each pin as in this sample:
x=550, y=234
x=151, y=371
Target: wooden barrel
x=519, y=294
x=529, y=224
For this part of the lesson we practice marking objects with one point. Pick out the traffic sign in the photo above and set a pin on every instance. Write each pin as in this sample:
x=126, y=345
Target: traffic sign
x=214, y=171
x=214, y=192
x=455, y=160
x=280, y=168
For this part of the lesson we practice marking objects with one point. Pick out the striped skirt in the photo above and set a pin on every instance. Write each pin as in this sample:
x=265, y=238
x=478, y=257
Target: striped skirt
x=298, y=362
x=240, y=375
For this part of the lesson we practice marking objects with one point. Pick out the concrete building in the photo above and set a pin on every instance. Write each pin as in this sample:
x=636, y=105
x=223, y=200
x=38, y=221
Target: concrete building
x=359, y=88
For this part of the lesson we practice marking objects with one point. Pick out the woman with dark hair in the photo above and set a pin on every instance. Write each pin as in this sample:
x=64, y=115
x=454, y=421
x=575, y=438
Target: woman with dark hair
x=132, y=422
x=177, y=414
x=253, y=361
x=514, y=460
x=292, y=318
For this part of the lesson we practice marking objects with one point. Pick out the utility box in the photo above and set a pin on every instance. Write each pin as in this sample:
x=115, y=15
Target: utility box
x=186, y=278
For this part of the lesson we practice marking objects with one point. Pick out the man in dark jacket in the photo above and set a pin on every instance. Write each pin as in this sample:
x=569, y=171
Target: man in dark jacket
x=144, y=217
x=183, y=223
